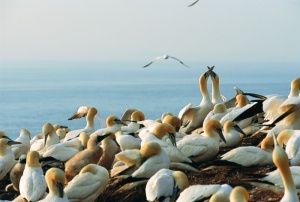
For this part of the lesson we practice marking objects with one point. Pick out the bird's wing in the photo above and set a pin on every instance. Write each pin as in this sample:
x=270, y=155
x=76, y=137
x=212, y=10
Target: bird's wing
x=80, y=184
x=192, y=146
x=157, y=58
x=159, y=186
x=198, y=192
x=193, y=3
x=178, y=60
x=250, y=110
x=285, y=114
x=73, y=134
x=129, y=157
x=184, y=110
x=81, y=112
x=127, y=115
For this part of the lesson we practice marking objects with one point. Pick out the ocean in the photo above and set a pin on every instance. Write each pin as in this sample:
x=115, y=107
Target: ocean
x=35, y=92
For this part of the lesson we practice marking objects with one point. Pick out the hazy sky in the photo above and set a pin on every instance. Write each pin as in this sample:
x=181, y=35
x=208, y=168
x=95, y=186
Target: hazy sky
x=139, y=30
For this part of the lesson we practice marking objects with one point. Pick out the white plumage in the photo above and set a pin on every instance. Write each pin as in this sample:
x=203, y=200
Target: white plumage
x=165, y=185
x=7, y=157
x=88, y=184
x=23, y=148
x=55, y=179
x=33, y=184
x=201, y=192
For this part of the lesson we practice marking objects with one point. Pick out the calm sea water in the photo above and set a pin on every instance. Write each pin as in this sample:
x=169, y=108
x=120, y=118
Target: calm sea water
x=33, y=93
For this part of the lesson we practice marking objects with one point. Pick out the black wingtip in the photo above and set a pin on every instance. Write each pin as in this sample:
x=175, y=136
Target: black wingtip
x=131, y=179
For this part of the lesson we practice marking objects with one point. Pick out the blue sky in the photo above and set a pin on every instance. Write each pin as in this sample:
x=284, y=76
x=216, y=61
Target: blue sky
x=135, y=30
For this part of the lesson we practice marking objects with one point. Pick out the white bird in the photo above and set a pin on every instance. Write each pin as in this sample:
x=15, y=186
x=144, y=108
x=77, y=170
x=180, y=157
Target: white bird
x=89, y=128
x=175, y=155
x=23, y=148
x=154, y=158
x=113, y=125
x=55, y=179
x=290, y=119
x=82, y=111
x=63, y=151
x=242, y=105
x=272, y=106
x=239, y=194
x=151, y=158
x=164, y=57
x=245, y=156
x=202, y=147
x=193, y=117
x=280, y=159
x=214, y=192
x=125, y=138
x=166, y=117
x=7, y=157
x=126, y=141
x=133, y=125
x=32, y=183
x=50, y=138
x=231, y=134
x=148, y=124
x=88, y=184
x=217, y=113
x=165, y=185
x=273, y=181
x=37, y=142
x=127, y=162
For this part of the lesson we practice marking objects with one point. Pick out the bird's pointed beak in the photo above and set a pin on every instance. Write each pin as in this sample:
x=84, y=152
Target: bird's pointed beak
x=60, y=188
x=46, y=136
x=63, y=126
x=206, y=74
x=130, y=121
x=238, y=129
x=118, y=121
x=219, y=131
x=11, y=142
x=210, y=71
x=173, y=139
